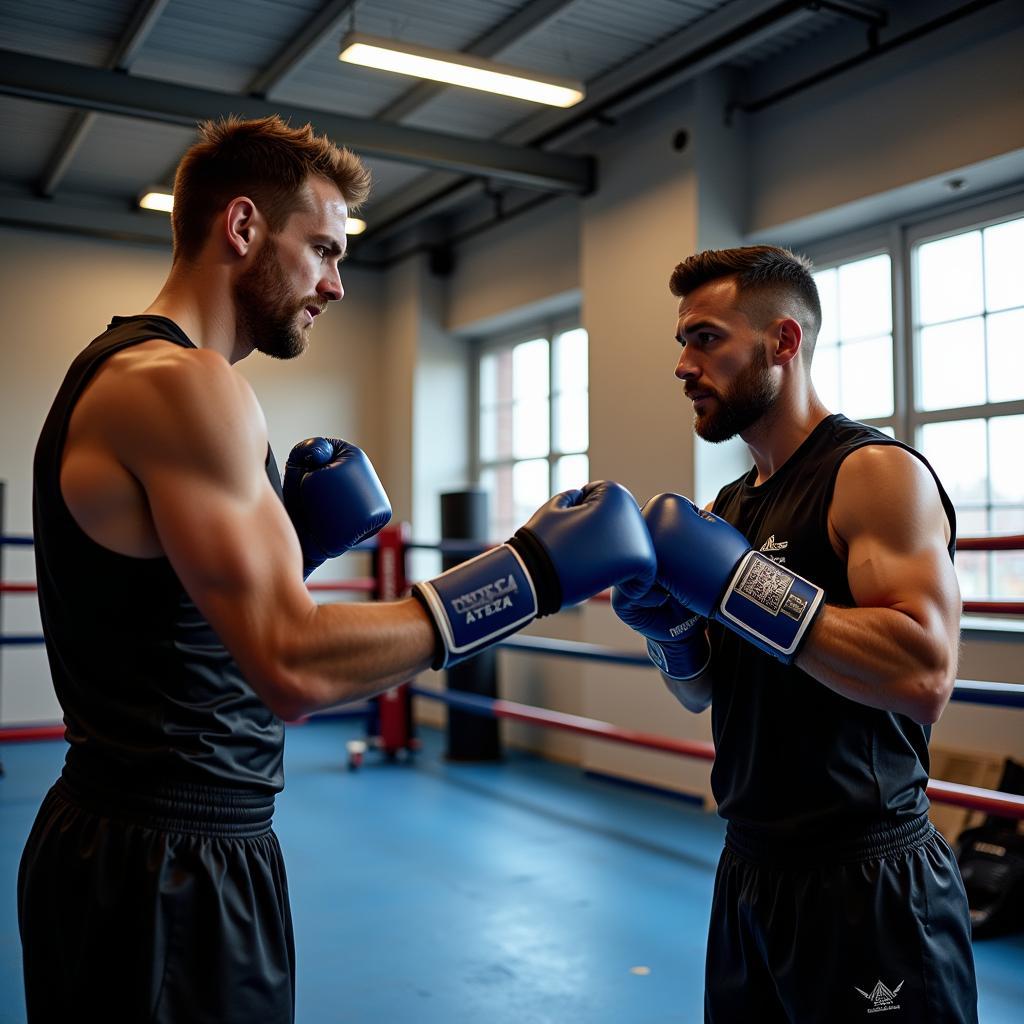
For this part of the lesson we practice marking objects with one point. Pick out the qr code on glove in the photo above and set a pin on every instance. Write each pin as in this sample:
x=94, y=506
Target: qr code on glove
x=765, y=583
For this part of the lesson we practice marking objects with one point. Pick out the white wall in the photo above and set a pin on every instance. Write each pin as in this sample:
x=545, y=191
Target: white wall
x=57, y=292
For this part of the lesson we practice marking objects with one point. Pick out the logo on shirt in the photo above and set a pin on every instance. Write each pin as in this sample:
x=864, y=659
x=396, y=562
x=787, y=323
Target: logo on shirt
x=771, y=544
x=881, y=997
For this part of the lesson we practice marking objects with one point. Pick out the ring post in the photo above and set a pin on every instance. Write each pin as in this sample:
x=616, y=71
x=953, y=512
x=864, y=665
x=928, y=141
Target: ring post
x=470, y=737
x=390, y=724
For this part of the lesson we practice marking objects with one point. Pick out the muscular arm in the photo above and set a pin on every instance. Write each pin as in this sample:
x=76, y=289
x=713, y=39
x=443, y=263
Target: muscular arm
x=897, y=649
x=191, y=432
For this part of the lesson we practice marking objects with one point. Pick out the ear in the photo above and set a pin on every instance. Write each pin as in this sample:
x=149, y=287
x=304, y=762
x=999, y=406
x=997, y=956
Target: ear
x=788, y=336
x=241, y=224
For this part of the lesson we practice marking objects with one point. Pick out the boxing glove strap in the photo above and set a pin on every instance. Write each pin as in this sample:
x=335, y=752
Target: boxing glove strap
x=541, y=569
x=477, y=603
x=771, y=606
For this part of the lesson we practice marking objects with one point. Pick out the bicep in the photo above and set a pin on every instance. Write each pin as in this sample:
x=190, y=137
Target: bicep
x=887, y=511
x=219, y=521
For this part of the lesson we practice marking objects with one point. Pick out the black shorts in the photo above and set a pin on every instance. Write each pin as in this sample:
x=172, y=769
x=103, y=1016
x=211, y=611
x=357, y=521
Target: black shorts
x=165, y=908
x=853, y=933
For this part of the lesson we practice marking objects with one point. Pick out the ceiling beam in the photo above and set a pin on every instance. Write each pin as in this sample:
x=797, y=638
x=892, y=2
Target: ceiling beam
x=326, y=22
x=112, y=92
x=143, y=20
x=527, y=19
x=700, y=46
x=93, y=219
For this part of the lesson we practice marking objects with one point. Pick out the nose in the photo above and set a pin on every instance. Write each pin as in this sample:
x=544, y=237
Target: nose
x=330, y=286
x=686, y=368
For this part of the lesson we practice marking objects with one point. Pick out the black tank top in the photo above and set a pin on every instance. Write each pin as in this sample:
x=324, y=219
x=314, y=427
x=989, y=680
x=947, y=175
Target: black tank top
x=793, y=755
x=148, y=690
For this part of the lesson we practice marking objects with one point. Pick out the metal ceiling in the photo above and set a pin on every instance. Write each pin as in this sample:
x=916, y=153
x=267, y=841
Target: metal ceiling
x=98, y=98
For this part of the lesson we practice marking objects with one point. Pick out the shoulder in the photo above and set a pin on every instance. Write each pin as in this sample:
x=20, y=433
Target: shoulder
x=160, y=398
x=881, y=468
x=885, y=488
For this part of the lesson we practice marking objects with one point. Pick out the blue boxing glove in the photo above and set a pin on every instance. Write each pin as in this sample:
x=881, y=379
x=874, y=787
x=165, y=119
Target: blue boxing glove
x=573, y=547
x=334, y=498
x=707, y=565
x=676, y=639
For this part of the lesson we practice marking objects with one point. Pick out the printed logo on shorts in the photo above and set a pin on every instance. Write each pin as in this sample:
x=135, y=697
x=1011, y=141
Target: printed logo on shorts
x=881, y=997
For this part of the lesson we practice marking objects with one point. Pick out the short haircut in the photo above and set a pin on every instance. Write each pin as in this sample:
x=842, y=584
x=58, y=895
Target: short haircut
x=770, y=281
x=263, y=159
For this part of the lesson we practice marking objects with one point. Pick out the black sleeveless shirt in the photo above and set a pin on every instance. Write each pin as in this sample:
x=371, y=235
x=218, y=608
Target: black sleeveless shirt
x=149, y=692
x=792, y=755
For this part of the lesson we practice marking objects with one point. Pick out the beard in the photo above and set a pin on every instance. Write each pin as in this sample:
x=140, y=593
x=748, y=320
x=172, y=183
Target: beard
x=268, y=310
x=751, y=395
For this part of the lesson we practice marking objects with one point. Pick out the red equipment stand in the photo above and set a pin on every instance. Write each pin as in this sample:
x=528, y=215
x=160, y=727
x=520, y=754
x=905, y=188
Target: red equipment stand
x=389, y=725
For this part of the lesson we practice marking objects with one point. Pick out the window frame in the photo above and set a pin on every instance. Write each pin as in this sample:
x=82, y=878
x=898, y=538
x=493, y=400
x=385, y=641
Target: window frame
x=547, y=327
x=900, y=239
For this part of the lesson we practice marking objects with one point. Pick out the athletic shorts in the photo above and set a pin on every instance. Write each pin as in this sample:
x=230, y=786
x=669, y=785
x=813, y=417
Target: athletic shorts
x=168, y=907
x=872, y=929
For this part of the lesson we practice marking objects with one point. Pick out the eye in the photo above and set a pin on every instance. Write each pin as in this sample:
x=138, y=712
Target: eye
x=322, y=251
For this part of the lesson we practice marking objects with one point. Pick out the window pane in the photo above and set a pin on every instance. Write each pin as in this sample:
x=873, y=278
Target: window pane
x=949, y=278
x=572, y=428
x=1006, y=443
x=489, y=378
x=865, y=376
x=825, y=375
x=1007, y=575
x=1004, y=272
x=571, y=361
x=496, y=433
x=1008, y=520
x=497, y=482
x=530, y=370
x=531, y=431
x=865, y=298
x=488, y=434
x=957, y=453
x=572, y=471
x=971, y=522
x=828, y=292
x=1006, y=356
x=530, y=486
x=952, y=365
x=972, y=571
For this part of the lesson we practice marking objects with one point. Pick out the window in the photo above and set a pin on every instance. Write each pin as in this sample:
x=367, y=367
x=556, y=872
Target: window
x=533, y=427
x=923, y=336
x=852, y=367
x=968, y=413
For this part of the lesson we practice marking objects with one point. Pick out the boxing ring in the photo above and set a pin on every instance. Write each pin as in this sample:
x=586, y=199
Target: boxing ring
x=393, y=709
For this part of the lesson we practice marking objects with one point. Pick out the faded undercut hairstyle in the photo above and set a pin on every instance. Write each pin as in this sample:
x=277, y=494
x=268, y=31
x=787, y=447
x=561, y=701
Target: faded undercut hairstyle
x=263, y=159
x=772, y=281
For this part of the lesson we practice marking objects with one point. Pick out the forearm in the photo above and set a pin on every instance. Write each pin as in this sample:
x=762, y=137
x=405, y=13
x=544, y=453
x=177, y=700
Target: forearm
x=884, y=658
x=345, y=652
x=694, y=694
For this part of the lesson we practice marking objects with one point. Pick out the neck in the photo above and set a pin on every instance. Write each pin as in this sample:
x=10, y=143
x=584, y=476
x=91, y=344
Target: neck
x=198, y=299
x=778, y=434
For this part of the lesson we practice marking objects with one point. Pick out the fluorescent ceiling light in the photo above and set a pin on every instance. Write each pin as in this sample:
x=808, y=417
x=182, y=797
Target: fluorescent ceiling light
x=156, y=199
x=458, y=69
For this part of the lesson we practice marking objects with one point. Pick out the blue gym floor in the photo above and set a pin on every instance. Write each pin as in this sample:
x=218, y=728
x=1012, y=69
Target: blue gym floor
x=522, y=892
